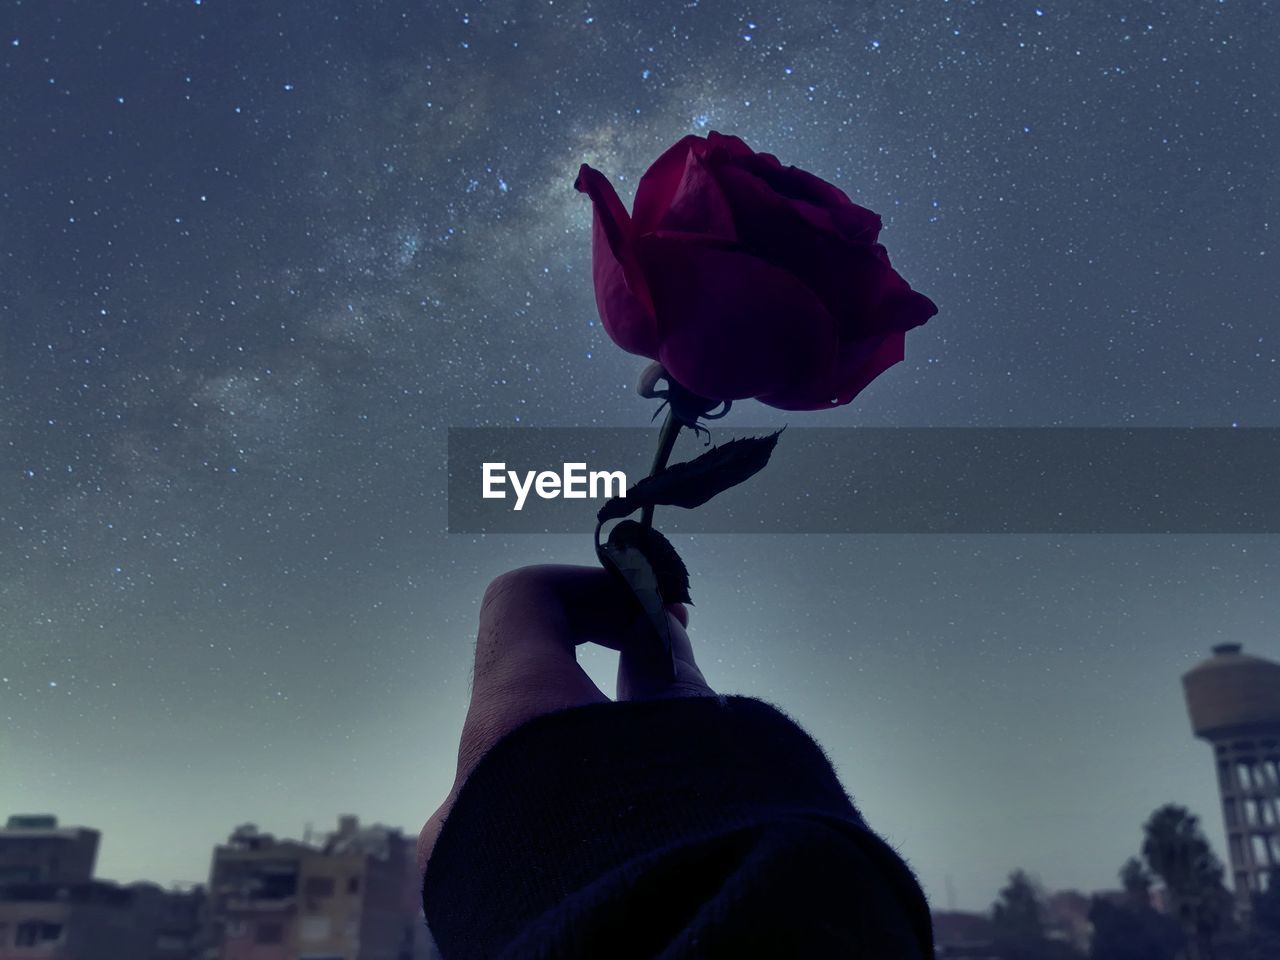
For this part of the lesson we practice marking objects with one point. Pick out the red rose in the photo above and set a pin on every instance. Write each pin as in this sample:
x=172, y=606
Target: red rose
x=745, y=278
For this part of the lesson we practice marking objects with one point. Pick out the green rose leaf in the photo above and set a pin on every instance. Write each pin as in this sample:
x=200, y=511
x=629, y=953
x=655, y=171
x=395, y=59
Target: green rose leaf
x=693, y=483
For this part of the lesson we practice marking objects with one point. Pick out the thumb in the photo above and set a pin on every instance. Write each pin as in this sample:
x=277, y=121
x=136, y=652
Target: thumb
x=641, y=678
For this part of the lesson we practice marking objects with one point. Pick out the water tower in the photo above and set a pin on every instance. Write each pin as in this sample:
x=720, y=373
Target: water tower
x=1234, y=702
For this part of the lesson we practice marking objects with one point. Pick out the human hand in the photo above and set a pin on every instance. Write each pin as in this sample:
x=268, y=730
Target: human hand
x=531, y=623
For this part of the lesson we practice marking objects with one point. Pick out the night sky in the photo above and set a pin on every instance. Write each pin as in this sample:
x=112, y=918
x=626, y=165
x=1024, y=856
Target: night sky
x=256, y=258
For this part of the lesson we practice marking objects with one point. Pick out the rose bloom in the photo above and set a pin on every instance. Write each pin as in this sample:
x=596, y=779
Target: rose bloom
x=745, y=278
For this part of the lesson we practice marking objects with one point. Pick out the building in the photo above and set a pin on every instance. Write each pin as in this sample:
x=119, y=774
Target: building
x=959, y=934
x=34, y=849
x=1066, y=914
x=53, y=909
x=964, y=935
x=97, y=920
x=1233, y=699
x=351, y=896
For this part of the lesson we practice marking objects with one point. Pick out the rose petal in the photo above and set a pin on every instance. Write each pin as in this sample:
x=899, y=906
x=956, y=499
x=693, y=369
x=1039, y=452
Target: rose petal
x=659, y=183
x=855, y=223
x=902, y=309
x=726, y=145
x=859, y=286
x=731, y=325
x=821, y=213
x=856, y=365
x=699, y=205
x=821, y=202
x=764, y=219
x=854, y=280
x=622, y=295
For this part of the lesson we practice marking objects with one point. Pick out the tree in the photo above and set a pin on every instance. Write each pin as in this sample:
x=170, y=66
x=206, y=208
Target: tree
x=1019, y=922
x=1131, y=929
x=1177, y=852
x=1018, y=914
x=1135, y=878
x=1262, y=941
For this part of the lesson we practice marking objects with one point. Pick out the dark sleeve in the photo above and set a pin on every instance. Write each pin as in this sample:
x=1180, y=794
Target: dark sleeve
x=693, y=827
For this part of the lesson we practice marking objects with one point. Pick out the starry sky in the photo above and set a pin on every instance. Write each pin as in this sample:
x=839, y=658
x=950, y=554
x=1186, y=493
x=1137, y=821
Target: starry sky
x=256, y=258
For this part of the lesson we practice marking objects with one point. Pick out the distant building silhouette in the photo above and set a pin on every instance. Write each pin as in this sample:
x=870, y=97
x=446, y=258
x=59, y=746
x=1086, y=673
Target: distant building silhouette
x=34, y=849
x=352, y=896
x=1066, y=914
x=963, y=935
x=1233, y=699
x=53, y=909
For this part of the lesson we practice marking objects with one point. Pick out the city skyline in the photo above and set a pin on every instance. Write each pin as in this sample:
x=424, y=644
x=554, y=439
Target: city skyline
x=348, y=892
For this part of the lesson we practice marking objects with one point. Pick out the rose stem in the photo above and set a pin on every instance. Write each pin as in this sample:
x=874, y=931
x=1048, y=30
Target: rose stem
x=666, y=443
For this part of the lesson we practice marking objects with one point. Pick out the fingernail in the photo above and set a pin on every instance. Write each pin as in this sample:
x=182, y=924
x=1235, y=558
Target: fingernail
x=680, y=612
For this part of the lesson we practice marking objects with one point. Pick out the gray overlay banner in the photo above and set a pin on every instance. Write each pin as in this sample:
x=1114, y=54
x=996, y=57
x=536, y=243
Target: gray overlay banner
x=1046, y=480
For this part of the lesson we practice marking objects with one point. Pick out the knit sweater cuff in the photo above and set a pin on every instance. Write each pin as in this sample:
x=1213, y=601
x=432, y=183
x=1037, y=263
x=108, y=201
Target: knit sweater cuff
x=573, y=796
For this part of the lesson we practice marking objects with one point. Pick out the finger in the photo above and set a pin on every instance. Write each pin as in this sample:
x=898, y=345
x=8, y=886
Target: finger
x=523, y=627
x=681, y=613
x=531, y=620
x=525, y=664
x=601, y=608
x=557, y=607
x=642, y=677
